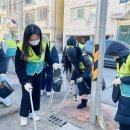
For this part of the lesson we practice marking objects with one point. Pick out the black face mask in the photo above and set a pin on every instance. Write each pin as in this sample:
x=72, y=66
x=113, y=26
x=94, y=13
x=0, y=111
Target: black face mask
x=118, y=60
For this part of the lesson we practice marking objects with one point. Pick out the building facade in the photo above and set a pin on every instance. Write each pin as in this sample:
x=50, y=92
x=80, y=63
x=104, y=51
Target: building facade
x=48, y=14
x=79, y=19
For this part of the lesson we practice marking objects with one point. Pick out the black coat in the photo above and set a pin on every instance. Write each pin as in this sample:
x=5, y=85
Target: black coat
x=3, y=65
x=123, y=112
x=85, y=75
x=20, y=65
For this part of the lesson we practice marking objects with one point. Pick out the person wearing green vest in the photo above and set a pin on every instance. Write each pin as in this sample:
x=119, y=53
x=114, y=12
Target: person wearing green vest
x=11, y=49
x=121, y=53
x=48, y=70
x=81, y=66
x=30, y=58
x=71, y=42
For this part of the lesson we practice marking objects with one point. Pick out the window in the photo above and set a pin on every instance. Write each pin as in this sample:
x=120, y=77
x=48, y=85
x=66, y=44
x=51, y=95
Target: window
x=124, y=1
x=4, y=4
x=77, y=13
x=81, y=13
x=92, y=13
x=30, y=17
x=29, y=1
x=43, y=1
x=41, y=13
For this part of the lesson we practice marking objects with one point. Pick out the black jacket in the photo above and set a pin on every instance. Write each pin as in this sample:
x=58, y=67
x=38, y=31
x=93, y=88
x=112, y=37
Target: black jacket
x=88, y=68
x=54, y=55
x=123, y=112
x=3, y=65
x=20, y=65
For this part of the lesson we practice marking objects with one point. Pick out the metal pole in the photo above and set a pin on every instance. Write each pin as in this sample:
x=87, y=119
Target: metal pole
x=95, y=108
x=34, y=121
x=20, y=15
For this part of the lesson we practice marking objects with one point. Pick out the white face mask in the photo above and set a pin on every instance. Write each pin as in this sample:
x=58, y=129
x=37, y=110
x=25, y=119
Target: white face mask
x=34, y=43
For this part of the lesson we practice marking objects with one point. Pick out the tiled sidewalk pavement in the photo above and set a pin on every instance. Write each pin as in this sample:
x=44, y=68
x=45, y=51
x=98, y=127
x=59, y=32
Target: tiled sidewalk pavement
x=70, y=111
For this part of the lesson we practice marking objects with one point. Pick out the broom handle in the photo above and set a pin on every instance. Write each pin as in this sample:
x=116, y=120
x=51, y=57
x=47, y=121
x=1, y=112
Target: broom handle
x=35, y=127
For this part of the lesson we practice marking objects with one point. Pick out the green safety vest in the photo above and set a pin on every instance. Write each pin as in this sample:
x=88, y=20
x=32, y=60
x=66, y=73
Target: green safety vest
x=51, y=45
x=79, y=45
x=34, y=63
x=11, y=43
x=124, y=70
x=81, y=65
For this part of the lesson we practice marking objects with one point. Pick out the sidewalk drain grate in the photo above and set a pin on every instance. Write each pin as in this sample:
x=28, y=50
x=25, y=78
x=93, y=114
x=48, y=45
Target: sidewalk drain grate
x=57, y=120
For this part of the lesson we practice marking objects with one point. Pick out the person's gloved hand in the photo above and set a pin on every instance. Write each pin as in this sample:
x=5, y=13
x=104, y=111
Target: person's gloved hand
x=79, y=80
x=116, y=81
x=56, y=66
x=72, y=82
x=28, y=87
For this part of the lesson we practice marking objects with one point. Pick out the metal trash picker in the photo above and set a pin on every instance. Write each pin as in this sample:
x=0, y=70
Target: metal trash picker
x=34, y=121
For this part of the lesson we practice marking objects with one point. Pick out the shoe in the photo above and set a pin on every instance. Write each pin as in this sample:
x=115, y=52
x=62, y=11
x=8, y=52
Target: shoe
x=36, y=117
x=42, y=92
x=23, y=121
x=82, y=104
x=48, y=94
x=75, y=97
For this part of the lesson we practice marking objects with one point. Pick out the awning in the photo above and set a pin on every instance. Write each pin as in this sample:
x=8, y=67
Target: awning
x=122, y=16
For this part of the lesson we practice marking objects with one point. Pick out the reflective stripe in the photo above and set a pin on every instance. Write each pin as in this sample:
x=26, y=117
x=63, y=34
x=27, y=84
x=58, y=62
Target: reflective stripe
x=34, y=63
x=79, y=45
x=51, y=45
x=124, y=69
x=82, y=67
x=11, y=44
x=32, y=56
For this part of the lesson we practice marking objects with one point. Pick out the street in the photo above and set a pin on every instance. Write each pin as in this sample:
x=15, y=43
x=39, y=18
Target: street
x=13, y=120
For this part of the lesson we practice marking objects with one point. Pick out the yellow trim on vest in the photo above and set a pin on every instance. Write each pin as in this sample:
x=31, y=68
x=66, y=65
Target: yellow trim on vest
x=32, y=56
x=124, y=69
x=51, y=47
x=82, y=67
x=11, y=43
x=81, y=46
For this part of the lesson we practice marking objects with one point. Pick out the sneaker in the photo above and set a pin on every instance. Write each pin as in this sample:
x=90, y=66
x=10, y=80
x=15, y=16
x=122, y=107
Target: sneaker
x=75, y=97
x=36, y=117
x=42, y=92
x=48, y=94
x=23, y=121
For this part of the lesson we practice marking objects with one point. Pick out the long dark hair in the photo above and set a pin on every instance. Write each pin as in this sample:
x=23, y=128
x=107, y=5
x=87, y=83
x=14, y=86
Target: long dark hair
x=28, y=32
x=73, y=56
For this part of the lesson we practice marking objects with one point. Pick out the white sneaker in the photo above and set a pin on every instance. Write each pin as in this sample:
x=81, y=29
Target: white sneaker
x=36, y=117
x=41, y=93
x=48, y=94
x=75, y=97
x=23, y=121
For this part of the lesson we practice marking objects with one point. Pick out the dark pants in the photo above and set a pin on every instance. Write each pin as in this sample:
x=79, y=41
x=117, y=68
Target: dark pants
x=124, y=127
x=47, y=79
x=25, y=109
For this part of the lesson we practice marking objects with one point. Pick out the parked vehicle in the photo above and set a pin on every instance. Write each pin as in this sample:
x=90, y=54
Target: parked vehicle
x=108, y=61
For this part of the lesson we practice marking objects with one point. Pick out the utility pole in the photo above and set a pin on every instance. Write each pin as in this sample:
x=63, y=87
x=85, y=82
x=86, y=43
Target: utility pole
x=53, y=20
x=99, y=39
x=20, y=18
